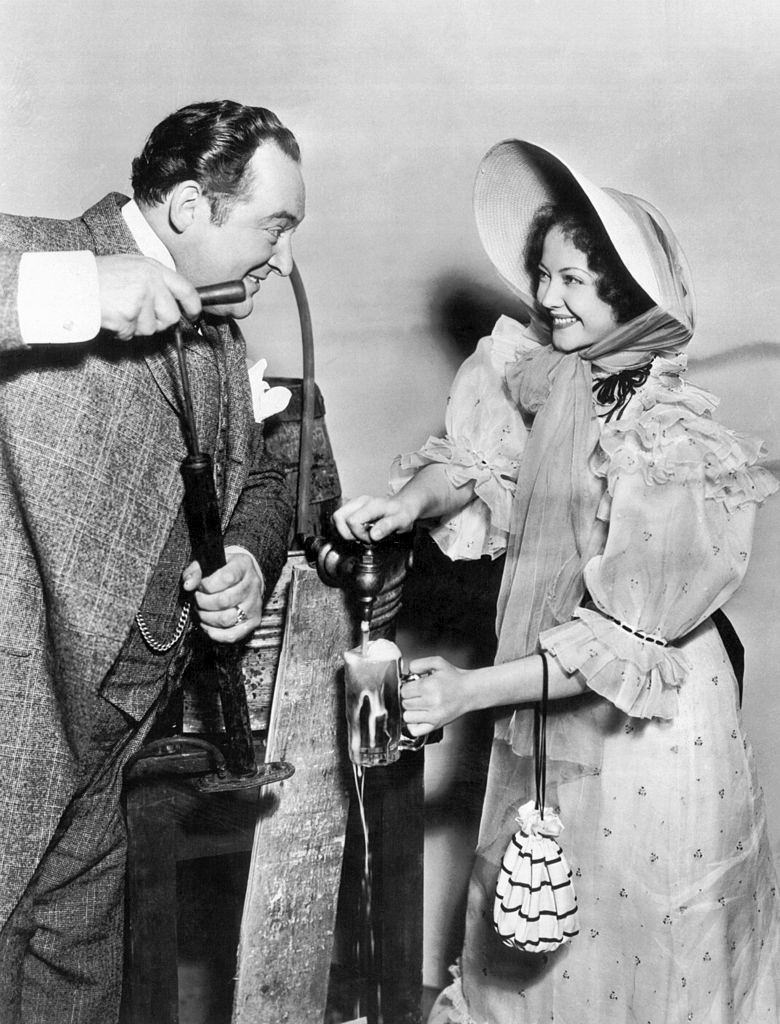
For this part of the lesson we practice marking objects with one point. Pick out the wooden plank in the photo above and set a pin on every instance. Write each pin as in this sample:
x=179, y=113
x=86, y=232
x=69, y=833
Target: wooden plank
x=151, y=983
x=287, y=930
x=385, y=963
x=396, y=811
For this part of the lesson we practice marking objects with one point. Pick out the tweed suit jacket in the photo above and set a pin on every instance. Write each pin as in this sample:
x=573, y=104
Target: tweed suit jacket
x=90, y=487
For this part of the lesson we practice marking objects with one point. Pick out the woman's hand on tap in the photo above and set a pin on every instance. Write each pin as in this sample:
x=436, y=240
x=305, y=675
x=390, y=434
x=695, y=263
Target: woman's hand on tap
x=429, y=493
x=229, y=603
x=370, y=518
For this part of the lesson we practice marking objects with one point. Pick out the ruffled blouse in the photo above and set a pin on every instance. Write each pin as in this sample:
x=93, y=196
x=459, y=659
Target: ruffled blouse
x=679, y=500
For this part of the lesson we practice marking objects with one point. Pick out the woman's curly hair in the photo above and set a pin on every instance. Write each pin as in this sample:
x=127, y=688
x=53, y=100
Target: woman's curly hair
x=614, y=284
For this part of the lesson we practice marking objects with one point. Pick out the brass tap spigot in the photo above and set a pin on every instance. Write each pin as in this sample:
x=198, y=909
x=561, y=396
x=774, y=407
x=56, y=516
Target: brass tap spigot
x=355, y=569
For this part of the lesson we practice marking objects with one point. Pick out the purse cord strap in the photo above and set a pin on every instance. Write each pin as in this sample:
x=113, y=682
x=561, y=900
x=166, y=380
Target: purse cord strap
x=540, y=740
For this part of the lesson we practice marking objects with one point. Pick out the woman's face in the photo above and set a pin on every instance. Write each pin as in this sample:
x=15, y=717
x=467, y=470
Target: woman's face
x=567, y=291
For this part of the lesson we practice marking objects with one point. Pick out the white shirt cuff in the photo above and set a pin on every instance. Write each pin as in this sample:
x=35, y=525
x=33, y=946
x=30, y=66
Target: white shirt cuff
x=58, y=299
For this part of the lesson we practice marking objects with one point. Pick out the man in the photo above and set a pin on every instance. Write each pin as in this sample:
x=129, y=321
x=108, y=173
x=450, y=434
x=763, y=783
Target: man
x=96, y=581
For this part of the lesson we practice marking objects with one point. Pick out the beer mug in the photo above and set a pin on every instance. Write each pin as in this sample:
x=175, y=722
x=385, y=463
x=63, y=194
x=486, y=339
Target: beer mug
x=372, y=680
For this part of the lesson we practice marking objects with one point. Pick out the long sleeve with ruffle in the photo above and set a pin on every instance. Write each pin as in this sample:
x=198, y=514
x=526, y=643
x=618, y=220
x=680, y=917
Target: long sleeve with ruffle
x=680, y=502
x=484, y=439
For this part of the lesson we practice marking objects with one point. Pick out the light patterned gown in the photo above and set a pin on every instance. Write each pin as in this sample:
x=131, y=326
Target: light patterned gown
x=664, y=820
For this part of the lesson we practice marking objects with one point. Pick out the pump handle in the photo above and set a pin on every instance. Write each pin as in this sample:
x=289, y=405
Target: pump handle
x=223, y=294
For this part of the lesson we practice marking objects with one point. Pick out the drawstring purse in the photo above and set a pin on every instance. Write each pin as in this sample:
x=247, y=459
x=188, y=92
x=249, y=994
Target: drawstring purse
x=535, y=907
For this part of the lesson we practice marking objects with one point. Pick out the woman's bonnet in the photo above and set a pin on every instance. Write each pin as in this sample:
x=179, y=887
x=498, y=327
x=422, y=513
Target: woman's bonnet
x=515, y=178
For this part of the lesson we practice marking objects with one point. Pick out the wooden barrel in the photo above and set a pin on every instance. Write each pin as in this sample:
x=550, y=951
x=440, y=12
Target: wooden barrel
x=282, y=439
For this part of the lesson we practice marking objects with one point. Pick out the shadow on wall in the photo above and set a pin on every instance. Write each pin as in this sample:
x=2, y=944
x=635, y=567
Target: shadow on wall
x=751, y=351
x=462, y=312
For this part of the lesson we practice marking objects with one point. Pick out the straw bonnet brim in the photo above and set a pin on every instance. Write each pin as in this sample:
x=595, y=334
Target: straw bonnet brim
x=515, y=178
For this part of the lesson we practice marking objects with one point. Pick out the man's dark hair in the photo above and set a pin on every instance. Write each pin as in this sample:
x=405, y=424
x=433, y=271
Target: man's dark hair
x=614, y=284
x=210, y=143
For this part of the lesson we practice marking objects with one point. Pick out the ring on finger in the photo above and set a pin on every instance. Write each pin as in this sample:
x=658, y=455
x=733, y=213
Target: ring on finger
x=241, y=616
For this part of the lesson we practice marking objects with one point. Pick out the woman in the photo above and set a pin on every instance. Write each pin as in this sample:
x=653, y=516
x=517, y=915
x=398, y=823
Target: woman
x=630, y=524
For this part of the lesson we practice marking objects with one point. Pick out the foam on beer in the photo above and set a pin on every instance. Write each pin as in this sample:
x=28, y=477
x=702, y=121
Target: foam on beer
x=379, y=650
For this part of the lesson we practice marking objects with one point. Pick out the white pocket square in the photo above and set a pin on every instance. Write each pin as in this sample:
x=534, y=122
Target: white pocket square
x=266, y=401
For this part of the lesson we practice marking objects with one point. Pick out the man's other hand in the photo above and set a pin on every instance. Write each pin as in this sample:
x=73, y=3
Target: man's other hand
x=139, y=296
x=229, y=603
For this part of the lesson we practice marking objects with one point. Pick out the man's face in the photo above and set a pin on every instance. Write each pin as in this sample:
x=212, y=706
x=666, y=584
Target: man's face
x=255, y=239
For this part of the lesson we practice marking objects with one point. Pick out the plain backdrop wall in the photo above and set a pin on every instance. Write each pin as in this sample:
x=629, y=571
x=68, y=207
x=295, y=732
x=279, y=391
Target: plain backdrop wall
x=394, y=102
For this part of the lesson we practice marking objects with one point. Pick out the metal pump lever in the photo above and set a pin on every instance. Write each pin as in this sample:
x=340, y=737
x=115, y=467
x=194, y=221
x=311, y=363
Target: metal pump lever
x=201, y=509
x=223, y=294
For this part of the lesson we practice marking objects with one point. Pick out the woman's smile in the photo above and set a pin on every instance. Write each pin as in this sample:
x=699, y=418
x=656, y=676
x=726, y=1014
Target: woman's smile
x=560, y=323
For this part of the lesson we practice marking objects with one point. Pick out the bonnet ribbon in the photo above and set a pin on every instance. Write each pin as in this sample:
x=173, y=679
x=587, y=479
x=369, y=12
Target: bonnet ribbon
x=617, y=389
